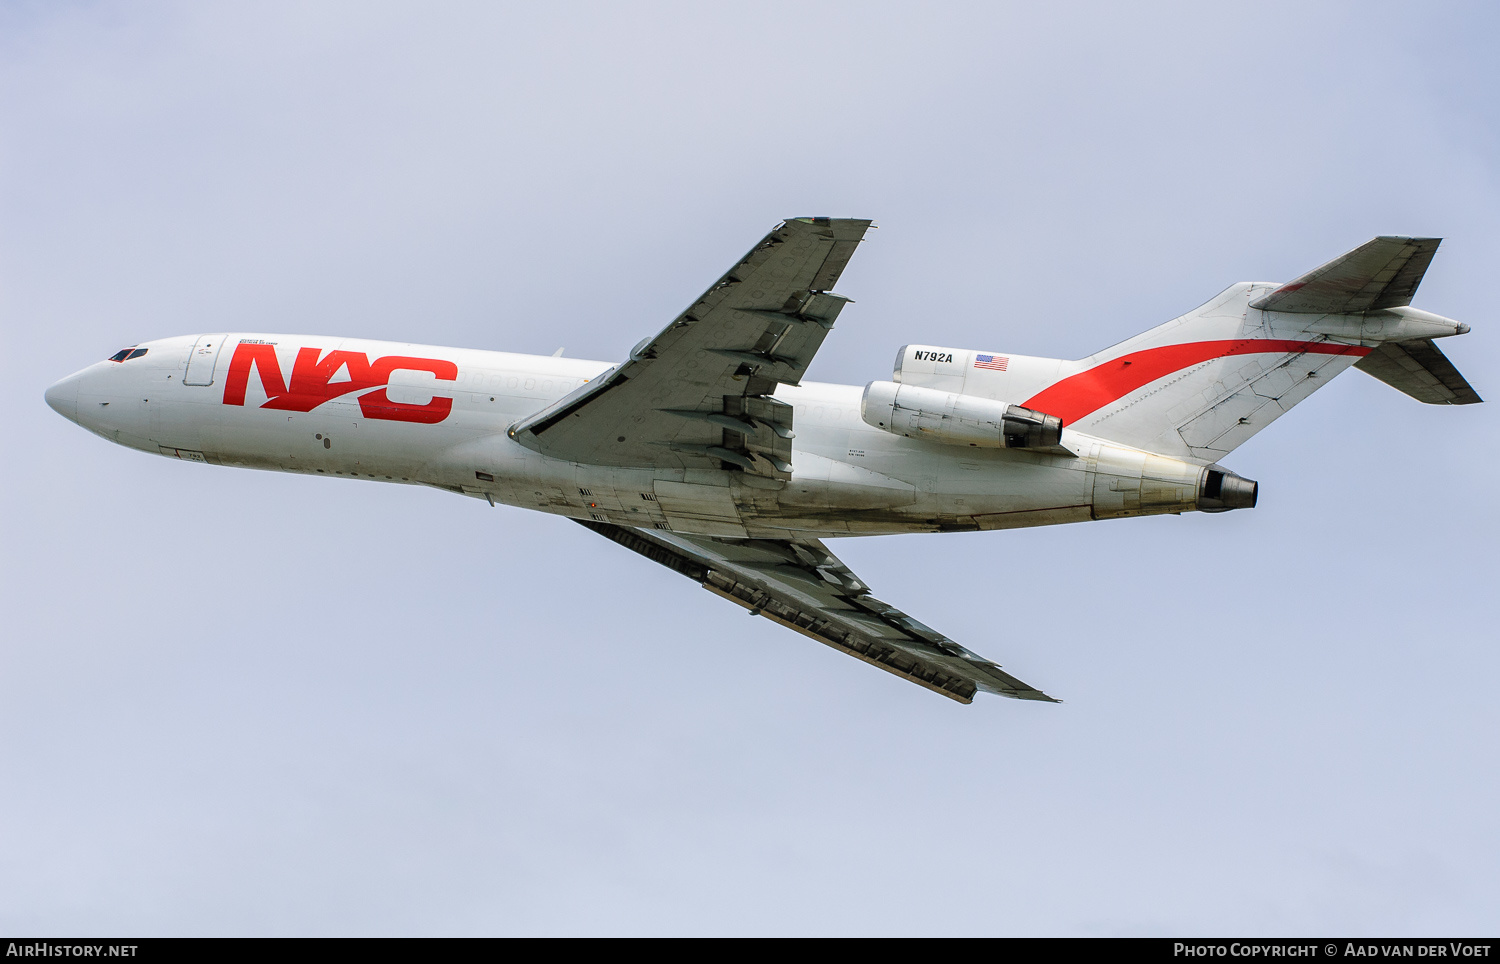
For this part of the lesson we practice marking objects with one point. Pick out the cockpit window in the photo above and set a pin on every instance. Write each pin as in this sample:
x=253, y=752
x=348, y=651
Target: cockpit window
x=125, y=354
x=135, y=354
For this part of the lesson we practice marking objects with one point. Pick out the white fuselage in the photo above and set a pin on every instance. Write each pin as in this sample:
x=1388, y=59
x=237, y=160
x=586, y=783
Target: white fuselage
x=418, y=414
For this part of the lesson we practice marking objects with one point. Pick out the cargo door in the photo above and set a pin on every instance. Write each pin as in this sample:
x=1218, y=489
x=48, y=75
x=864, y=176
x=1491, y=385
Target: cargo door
x=205, y=355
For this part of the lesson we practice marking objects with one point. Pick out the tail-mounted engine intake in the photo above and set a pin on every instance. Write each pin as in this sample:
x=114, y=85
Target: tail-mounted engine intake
x=954, y=419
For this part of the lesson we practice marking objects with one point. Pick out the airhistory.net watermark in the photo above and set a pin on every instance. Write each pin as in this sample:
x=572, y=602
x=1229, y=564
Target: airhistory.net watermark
x=45, y=949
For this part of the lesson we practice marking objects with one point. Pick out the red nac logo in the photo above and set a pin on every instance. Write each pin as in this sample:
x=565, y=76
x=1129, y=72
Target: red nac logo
x=310, y=385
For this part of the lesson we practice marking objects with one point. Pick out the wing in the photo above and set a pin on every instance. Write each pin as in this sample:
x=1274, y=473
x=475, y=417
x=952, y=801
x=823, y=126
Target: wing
x=1383, y=273
x=698, y=394
x=804, y=587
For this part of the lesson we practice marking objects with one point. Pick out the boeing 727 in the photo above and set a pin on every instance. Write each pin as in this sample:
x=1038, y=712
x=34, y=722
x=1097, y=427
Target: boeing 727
x=706, y=450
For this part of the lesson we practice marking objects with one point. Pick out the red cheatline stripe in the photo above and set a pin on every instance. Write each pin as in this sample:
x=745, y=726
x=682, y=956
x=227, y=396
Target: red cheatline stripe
x=1087, y=392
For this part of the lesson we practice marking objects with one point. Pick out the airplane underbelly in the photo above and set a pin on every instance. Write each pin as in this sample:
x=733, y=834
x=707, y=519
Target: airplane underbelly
x=823, y=483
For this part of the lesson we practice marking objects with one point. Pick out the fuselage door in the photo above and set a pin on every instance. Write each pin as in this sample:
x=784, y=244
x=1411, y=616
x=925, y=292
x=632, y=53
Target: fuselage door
x=200, y=368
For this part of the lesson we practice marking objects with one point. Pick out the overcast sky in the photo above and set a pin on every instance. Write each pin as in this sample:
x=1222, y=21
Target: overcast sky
x=238, y=702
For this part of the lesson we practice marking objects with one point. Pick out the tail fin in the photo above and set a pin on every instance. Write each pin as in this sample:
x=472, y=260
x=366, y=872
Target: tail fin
x=1202, y=384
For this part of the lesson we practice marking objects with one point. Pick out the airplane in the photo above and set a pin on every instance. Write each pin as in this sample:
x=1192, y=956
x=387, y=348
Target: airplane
x=706, y=451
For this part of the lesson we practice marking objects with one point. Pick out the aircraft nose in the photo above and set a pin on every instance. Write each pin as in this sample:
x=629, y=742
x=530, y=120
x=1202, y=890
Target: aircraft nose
x=62, y=398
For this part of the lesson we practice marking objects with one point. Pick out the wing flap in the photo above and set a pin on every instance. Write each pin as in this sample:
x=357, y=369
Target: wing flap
x=806, y=588
x=1382, y=273
x=1421, y=370
x=955, y=688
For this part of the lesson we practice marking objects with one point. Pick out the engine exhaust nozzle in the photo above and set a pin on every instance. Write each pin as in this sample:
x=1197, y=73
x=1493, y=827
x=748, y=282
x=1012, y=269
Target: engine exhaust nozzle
x=1222, y=490
x=1025, y=428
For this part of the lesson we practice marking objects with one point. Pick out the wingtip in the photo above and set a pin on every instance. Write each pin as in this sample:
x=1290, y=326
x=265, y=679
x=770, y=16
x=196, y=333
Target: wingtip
x=1036, y=696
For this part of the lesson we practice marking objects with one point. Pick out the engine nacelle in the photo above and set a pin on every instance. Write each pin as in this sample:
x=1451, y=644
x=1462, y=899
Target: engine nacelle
x=1129, y=482
x=955, y=419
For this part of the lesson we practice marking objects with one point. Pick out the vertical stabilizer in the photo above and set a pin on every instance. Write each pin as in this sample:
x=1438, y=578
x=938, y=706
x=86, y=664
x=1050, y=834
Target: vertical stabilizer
x=1203, y=384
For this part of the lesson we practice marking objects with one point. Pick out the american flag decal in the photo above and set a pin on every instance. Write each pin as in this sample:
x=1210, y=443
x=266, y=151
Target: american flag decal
x=995, y=363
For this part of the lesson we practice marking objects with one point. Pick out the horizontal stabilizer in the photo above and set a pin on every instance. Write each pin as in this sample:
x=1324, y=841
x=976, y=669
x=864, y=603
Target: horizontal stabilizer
x=1383, y=273
x=1421, y=370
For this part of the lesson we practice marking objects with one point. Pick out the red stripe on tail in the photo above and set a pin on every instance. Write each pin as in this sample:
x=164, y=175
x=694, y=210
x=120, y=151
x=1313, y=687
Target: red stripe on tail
x=1085, y=393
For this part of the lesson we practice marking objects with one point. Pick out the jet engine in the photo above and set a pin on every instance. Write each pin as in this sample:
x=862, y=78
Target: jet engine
x=954, y=419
